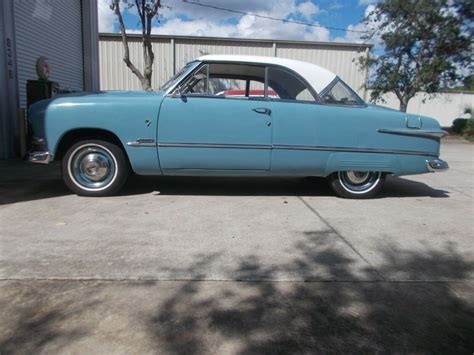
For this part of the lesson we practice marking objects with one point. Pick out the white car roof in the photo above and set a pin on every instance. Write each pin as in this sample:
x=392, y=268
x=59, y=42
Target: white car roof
x=318, y=77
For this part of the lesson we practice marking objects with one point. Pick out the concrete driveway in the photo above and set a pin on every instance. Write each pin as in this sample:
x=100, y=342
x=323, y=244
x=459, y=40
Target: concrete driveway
x=316, y=272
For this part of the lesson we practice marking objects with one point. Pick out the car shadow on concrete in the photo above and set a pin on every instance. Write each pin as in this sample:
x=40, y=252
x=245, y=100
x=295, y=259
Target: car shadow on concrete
x=268, y=186
x=21, y=181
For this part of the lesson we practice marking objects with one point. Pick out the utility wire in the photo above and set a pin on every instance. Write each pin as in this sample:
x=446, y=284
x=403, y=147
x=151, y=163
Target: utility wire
x=269, y=17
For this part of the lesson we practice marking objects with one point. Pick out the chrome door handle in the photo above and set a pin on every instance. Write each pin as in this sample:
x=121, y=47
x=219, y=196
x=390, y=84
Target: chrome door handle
x=265, y=111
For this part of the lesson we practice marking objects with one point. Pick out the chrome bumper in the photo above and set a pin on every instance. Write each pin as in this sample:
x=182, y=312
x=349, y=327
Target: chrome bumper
x=434, y=165
x=40, y=157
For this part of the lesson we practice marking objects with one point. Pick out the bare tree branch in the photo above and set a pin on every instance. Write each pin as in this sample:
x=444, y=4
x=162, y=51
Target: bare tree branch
x=147, y=11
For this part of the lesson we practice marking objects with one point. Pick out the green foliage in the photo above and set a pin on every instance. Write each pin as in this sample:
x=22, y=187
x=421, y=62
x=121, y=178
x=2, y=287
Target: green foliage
x=469, y=83
x=425, y=43
x=468, y=130
x=458, y=125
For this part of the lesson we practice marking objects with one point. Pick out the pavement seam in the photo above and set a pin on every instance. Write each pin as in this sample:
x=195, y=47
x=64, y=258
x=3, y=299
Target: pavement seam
x=387, y=281
x=349, y=244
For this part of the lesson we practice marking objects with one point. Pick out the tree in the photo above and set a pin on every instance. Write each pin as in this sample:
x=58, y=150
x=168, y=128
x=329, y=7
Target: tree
x=427, y=46
x=469, y=82
x=148, y=10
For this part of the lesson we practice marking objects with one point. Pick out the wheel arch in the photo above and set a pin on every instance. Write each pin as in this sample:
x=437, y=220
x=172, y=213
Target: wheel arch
x=385, y=163
x=74, y=135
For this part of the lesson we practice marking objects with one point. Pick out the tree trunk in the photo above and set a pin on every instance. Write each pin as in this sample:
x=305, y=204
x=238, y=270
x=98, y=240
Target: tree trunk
x=404, y=103
x=146, y=84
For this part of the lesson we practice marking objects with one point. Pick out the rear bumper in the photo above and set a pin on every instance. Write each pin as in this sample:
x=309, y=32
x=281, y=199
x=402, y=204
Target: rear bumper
x=40, y=157
x=435, y=165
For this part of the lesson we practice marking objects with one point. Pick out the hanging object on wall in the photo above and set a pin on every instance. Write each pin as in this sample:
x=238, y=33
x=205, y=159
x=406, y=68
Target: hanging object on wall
x=43, y=68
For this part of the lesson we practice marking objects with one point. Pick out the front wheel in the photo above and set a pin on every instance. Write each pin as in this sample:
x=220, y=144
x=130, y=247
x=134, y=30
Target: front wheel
x=356, y=184
x=95, y=168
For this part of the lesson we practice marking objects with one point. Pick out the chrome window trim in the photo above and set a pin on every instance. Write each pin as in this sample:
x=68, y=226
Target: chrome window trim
x=317, y=98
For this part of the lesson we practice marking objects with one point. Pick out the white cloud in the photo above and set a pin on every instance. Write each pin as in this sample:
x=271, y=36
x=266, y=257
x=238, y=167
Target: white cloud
x=307, y=9
x=106, y=16
x=366, y=2
x=363, y=28
x=185, y=19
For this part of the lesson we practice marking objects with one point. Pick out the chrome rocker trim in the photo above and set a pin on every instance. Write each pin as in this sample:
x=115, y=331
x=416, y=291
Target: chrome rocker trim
x=40, y=157
x=435, y=165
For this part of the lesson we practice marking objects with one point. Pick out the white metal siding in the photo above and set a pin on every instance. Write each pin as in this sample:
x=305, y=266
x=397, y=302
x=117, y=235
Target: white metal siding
x=445, y=107
x=114, y=75
x=50, y=28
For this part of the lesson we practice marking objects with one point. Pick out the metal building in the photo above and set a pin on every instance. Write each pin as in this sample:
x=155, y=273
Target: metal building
x=64, y=31
x=172, y=52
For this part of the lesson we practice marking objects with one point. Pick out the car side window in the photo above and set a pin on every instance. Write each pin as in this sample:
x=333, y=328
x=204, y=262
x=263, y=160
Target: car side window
x=196, y=83
x=288, y=86
x=236, y=81
x=340, y=94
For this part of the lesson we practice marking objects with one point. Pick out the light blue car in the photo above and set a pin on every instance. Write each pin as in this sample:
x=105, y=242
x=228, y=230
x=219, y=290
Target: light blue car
x=224, y=115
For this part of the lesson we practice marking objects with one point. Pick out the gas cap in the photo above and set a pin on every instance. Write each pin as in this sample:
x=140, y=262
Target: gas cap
x=413, y=121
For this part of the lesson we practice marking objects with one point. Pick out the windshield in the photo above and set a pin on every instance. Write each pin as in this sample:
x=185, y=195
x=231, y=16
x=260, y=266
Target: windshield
x=339, y=93
x=179, y=75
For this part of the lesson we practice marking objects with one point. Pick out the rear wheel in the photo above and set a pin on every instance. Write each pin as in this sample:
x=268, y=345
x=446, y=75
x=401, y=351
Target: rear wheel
x=356, y=184
x=95, y=168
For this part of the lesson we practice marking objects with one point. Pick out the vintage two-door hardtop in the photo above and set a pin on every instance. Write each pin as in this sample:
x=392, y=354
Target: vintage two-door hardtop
x=225, y=115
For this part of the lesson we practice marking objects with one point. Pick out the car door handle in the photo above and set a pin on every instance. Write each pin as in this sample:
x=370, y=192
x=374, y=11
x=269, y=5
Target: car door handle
x=265, y=111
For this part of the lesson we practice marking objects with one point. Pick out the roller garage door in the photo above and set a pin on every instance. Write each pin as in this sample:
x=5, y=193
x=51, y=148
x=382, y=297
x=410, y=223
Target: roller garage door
x=50, y=28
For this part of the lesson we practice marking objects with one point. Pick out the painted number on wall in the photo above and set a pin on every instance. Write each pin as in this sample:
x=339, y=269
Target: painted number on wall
x=9, y=58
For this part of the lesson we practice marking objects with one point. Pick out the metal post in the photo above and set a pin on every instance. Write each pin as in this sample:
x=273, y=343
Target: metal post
x=9, y=139
x=173, y=55
x=90, y=35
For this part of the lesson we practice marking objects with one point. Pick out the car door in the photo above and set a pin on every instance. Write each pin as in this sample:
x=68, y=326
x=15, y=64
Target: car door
x=202, y=128
x=308, y=130
x=295, y=125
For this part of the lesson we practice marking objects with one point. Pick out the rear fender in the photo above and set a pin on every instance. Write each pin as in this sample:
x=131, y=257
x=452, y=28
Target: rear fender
x=362, y=162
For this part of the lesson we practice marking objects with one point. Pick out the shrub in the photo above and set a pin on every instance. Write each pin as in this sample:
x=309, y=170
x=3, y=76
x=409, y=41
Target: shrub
x=468, y=131
x=458, y=125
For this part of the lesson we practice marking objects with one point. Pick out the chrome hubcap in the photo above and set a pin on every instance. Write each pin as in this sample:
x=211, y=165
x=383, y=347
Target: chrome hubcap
x=359, y=181
x=92, y=167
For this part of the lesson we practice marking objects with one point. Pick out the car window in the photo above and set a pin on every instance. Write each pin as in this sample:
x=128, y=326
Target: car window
x=179, y=75
x=341, y=94
x=288, y=86
x=235, y=81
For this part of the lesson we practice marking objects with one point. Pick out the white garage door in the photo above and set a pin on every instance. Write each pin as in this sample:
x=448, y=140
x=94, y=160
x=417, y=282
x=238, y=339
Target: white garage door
x=50, y=28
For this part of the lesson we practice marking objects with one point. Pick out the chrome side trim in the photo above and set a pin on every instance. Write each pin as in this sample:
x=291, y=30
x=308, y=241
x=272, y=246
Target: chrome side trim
x=212, y=145
x=353, y=150
x=143, y=142
x=435, y=165
x=40, y=157
x=295, y=147
x=414, y=132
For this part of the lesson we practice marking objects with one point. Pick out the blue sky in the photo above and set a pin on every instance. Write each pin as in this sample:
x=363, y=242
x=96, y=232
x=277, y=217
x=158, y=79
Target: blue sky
x=179, y=18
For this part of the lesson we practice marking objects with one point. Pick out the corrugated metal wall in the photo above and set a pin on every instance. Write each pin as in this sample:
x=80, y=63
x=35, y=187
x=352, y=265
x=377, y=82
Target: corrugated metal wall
x=171, y=53
x=53, y=29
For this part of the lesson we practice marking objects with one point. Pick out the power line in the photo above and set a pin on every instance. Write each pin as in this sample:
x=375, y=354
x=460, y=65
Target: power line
x=270, y=18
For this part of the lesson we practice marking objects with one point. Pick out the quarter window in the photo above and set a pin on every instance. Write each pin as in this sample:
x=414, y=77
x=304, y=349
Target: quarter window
x=341, y=94
x=288, y=86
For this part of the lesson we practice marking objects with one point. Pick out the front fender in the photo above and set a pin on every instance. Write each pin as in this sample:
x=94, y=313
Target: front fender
x=128, y=118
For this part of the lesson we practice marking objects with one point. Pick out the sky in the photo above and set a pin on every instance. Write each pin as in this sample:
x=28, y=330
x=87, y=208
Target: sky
x=180, y=18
